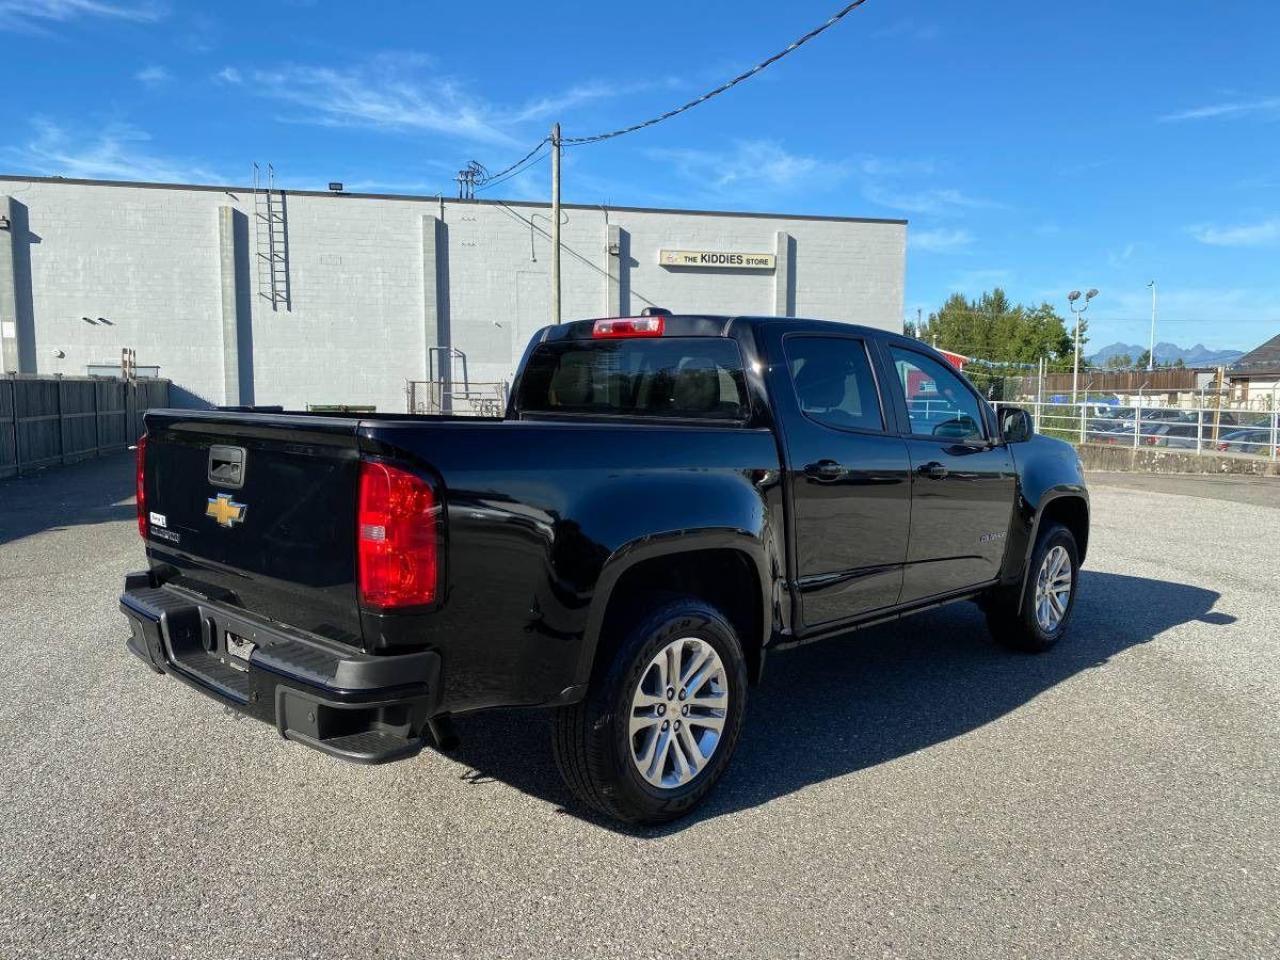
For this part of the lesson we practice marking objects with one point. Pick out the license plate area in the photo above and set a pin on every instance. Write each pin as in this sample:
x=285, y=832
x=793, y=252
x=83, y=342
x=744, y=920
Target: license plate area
x=237, y=650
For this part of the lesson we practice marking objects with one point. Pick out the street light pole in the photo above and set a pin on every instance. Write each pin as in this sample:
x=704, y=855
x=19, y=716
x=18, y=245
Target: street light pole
x=1151, y=351
x=1072, y=298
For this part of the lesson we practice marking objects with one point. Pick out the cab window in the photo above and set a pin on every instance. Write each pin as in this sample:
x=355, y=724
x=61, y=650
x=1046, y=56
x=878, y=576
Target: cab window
x=833, y=382
x=938, y=403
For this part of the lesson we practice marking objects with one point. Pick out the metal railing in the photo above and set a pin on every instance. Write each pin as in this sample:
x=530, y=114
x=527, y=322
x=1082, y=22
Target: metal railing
x=472, y=399
x=1203, y=430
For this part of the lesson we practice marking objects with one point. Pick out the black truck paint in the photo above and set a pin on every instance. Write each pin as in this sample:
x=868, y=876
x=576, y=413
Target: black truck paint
x=553, y=526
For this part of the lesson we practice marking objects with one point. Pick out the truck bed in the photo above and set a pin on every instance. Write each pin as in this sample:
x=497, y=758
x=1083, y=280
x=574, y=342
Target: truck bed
x=532, y=511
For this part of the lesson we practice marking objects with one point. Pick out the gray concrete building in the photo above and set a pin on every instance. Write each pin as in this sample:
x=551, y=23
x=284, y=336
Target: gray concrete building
x=295, y=298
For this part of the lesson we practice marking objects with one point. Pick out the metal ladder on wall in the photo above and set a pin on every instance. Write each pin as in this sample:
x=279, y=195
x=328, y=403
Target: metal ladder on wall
x=272, y=238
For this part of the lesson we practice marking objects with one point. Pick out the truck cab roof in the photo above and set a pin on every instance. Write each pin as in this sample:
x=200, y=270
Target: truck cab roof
x=703, y=325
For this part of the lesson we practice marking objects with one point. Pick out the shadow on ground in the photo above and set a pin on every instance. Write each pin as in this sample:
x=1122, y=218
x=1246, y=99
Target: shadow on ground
x=834, y=708
x=93, y=491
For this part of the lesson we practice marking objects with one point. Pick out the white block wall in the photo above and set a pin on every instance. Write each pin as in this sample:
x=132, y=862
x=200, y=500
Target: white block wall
x=147, y=259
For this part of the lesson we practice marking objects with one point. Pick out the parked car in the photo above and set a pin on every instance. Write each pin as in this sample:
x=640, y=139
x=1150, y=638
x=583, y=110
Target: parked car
x=1169, y=434
x=1256, y=440
x=668, y=500
x=1163, y=415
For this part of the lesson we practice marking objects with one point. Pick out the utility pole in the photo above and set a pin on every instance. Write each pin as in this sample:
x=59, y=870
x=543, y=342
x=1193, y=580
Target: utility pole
x=555, y=224
x=1151, y=352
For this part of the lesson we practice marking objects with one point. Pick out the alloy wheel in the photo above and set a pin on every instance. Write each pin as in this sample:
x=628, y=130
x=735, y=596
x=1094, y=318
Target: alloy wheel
x=1053, y=588
x=678, y=712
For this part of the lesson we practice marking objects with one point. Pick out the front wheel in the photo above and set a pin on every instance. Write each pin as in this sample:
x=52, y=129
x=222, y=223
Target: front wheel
x=1036, y=618
x=661, y=719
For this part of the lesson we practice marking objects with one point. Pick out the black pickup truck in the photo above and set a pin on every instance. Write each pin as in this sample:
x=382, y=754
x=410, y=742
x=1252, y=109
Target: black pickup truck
x=667, y=500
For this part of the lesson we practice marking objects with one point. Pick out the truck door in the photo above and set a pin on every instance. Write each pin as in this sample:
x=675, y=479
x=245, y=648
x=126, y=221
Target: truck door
x=848, y=474
x=962, y=485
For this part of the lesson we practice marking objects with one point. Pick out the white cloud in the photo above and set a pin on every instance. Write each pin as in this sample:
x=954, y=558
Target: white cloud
x=392, y=92
x=229, y=75
x=117, y=152
x=36, y=15
x=1118, y=258
x=941, y=240
x=1242, y=235
x=1232, y=108
x=932, y=200
x=152, y=76
x=750, y=166
x=976, y=281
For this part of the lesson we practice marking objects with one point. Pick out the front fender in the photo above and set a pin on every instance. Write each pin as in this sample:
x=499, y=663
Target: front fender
x=1048, y=470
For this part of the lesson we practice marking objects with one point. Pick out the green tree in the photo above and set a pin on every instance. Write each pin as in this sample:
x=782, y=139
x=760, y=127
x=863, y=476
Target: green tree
x=1120, y=361
x=996, y=329
x=1143, y=359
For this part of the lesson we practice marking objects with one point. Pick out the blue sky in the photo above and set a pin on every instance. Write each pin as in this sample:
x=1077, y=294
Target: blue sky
x=1037, y=146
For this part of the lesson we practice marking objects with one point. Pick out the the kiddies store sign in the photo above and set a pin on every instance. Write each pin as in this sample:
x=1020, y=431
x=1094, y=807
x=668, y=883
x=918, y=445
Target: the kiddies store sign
x=716, y=259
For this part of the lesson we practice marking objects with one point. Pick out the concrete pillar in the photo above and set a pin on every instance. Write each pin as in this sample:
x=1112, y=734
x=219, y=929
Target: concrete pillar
x=17, y=316
x=435, y=304
x=613, y=268
x=435, y=286
x=237, y=307
x=784, y=276
x=230, y=306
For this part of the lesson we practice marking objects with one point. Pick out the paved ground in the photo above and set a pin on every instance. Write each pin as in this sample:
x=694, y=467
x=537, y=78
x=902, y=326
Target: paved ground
x=911, y=792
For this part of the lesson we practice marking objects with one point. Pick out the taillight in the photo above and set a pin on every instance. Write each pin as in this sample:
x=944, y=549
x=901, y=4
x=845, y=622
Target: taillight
x=629, y=327
x=397, y=546
x=141, y=486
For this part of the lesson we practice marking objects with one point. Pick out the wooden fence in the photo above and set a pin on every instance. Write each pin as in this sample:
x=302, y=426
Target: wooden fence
x=1164, y=380
x=54, y=420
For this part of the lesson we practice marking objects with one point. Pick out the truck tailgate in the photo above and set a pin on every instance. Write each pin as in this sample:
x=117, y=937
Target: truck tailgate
x=259, y=512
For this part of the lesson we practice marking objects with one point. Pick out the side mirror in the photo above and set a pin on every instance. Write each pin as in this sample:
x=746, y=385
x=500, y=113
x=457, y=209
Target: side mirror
x=1015, y=425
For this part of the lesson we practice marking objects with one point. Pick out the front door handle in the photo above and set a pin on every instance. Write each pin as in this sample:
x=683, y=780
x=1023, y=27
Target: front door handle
x=933, y=470
x=824, y=470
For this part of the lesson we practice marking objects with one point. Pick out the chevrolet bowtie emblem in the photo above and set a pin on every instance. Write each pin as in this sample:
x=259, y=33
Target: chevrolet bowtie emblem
x=225, y=510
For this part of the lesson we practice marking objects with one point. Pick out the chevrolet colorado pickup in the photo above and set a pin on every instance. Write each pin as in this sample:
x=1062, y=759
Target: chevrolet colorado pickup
x=667, y=500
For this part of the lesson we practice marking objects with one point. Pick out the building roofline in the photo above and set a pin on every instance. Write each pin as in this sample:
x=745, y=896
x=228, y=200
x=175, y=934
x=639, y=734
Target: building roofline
x=420, y=198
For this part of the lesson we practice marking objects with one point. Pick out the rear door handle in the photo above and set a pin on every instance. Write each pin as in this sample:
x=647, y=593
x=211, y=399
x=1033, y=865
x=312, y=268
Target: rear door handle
x=933, y=470
x=824, y=470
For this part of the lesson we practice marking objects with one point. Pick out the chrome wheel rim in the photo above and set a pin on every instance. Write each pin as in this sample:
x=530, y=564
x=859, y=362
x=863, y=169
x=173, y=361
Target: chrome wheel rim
x=678, y=712
x=1053, y=589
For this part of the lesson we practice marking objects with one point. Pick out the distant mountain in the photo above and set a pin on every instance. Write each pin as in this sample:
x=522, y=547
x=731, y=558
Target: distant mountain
x=1197, y=356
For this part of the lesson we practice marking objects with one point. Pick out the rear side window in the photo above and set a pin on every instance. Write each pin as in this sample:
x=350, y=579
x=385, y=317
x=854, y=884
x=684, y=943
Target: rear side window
x=684, y=377
x=833, y=382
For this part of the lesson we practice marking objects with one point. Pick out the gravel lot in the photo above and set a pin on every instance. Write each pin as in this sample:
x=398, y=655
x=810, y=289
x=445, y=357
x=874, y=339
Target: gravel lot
x=910, y=792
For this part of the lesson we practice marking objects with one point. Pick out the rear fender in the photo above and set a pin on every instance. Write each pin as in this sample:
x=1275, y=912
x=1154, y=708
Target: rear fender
x=628, y=556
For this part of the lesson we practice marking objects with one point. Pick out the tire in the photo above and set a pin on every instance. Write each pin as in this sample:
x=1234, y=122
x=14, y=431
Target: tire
x=594, y=742
x=1016, y=618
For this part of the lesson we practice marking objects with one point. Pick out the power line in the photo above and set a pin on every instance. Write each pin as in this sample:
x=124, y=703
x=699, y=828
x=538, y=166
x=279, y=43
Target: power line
x=482, y=179
x=487, y=178
x=514, y=170
x=790, y=48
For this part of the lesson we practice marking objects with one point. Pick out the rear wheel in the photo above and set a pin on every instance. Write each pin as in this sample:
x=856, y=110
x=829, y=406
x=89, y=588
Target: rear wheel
x=661, y=720
x=1037, y=616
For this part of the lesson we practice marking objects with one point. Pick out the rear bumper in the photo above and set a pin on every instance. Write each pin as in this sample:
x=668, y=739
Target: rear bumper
x=362, y=708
